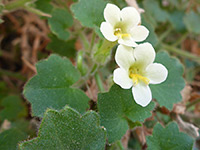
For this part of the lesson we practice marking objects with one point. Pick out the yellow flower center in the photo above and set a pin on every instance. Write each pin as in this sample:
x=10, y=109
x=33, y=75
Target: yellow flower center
x=136, y=78
x=135, y=75
x=118, y=32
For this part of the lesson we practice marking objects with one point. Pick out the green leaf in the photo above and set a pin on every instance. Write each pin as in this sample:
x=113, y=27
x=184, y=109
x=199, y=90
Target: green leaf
x=169, y=138
x=115, y=146
x=192, y=22
x=176, y=19
x=153, y=9
x=18, y=132
x=134, y=144
x=120, y=3
x=4, y=90
x=133, y=124
x=168, y=92
x=152, y=38
x=61, y=19
x=44, y=5
x=116, y=108
x=93, y=12
x=10, y=138
x=64, y=48
x=13, y=108
x=25, y=126
x=68, y=130
x=50, y=88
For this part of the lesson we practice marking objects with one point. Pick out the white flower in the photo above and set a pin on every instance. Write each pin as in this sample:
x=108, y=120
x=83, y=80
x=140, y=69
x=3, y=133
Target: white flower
x=123, y=25
x=137, y=70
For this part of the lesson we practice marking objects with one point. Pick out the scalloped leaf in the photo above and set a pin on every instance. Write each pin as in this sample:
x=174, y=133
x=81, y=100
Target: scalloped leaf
x=13, y=108
x=93, y=12
x=192, y=21
x=44, y=5
x=10, y=138
x=61, y=19
x=168, y=92
x=117, y=108
x=153, y=9
x=63, y=48
x=67, y=129
x=50, y=88
x=169, y=138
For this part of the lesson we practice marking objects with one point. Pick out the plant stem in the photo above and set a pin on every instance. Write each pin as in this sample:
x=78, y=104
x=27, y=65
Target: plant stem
x=87, y=76
x=193, y=103
x=181, y=52
x=179, y=41
x=120, y=145
x=16, y=4
x=94, y=69
x=92, y=40
x=99, y=82
x=165, y=34
x=84, y=40
x=36, y=11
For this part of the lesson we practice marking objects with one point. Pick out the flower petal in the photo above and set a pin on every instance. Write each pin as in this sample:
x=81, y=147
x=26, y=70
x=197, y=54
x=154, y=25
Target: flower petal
x=127, y=41
x=139, y=33
x=130, y=16
x=156, y=73
x=120, y=77
x=142, y=94
x=124, y=57
x=144, y=54
x=107, y=31
x=112, y=14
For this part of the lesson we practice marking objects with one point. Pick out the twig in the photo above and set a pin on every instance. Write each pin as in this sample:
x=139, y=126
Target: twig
x=29, y=65
x=35, y=48
x=187, y=127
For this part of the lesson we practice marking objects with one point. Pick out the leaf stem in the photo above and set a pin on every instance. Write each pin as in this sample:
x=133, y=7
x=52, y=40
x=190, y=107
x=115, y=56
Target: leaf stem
x=36, y=11
x=193, y=103
x=181, y=52
x=99, y=82
x=84, y=41
x=94, y=68
x=87, y=76
x=179, y=41
x=92, y=40
x=16, y=4
x=119, y=143
x=165, y=34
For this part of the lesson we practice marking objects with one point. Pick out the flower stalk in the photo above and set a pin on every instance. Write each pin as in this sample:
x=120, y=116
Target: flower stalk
x=181, y=53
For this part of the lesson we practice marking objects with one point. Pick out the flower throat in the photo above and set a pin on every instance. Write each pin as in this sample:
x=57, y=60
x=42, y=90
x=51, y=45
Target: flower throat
x=118, y=32
x=135, y=75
